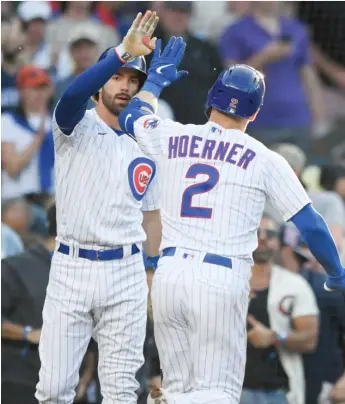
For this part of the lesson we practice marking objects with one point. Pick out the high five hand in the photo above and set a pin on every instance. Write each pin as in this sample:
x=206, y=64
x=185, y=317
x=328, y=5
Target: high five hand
x=138, y=41
x=163, y=69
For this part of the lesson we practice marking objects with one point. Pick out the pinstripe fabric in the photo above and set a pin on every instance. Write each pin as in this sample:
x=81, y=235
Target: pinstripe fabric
x=214, y=185
x=106, y=300
x=200, y=312
x=95, y=205
x=238, y=198
x=96, y=209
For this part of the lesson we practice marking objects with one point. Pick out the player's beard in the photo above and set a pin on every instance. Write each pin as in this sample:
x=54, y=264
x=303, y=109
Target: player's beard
x=263, y=255
x=113, y=103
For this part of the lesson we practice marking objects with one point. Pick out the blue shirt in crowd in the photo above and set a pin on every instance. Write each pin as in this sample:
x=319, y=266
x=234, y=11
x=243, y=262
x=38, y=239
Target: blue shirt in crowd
x=285, y=103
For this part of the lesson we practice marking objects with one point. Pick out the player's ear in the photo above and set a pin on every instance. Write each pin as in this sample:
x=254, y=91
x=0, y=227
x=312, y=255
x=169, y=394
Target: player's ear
x=253, y=117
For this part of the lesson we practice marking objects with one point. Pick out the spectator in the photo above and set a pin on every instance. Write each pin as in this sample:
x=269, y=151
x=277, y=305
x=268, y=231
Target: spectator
x=188, y=96
x=327, y=203
x=283, y=316
x=84, y=49
x=60, y=30
x=278, y=46
x=119, y=14
x=23, y=288
x=27, y=142
x=332, y=331
x=34, y=16
x=12, y=41
x=7, y=10
x=16, y=214
x=332, y=178
x=11, y=244
x=209, y=20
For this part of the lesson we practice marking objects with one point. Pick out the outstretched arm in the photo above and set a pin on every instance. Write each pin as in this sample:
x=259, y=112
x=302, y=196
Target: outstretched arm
x=72, y=106
x=287, y=194
x=317, y=236
x=162, y=72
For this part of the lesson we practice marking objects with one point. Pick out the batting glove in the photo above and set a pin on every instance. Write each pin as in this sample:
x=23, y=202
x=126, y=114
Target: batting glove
x=335, y=283
x=163, y=69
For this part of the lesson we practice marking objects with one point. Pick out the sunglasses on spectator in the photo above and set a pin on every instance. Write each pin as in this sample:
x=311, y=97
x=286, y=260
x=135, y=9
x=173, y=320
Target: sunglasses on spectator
x=268, y=233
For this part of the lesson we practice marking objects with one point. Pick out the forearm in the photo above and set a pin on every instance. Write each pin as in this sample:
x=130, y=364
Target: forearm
x=18, y=161
x=312, y=86
x=316, y=235
x=149, y=98
x=73, y=103
x=153, y=229
x=257, y=61
x=12, y=331
x=301, y=341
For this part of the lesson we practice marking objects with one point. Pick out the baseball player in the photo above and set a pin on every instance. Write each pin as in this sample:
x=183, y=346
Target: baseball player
x=97, y=284
x=214, y=182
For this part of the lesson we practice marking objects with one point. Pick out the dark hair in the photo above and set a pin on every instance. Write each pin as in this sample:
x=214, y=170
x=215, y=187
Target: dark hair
x=330, y=174
x=51, y=218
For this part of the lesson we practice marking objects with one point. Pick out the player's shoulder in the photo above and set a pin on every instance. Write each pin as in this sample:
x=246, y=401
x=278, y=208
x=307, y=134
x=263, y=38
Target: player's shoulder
x=258, y=146
x=152, y=122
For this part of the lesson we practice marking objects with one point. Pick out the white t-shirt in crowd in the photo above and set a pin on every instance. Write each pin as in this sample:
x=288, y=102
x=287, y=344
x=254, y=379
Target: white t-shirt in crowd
x=28, y=181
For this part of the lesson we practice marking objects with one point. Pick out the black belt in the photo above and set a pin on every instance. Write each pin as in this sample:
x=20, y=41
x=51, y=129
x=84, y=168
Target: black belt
x=209, y=258
x=98, y=255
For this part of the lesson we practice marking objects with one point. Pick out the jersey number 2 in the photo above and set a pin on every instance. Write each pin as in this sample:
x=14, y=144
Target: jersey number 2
x=187, y=210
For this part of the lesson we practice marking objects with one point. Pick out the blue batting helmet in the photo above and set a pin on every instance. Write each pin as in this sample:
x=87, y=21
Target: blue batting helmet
x=238, y=91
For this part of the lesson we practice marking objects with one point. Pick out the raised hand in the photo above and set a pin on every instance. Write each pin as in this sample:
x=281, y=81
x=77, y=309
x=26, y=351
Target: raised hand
x=164, y=66
x=139, y=41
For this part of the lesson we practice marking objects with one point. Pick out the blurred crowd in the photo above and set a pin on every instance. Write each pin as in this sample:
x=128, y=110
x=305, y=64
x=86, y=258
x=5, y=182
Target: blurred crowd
x=300, y=47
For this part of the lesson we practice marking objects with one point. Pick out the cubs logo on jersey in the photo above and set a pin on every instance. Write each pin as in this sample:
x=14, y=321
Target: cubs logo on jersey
x=140, y=173
x=151, y=123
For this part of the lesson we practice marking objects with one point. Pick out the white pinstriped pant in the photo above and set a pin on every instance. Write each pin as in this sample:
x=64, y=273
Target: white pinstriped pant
x=199, y=313
x=106, y=300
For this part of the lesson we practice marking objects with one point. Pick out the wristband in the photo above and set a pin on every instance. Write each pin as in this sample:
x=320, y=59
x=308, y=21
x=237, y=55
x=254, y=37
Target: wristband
x=280, y=339
x=154, y=261
x=26, y=331
x=152, y=88
x=123, y=55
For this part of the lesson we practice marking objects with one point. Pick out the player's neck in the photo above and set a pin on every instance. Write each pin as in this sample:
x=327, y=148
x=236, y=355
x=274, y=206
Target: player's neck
x=227, y=122
x=109, y=118
x=261, y=275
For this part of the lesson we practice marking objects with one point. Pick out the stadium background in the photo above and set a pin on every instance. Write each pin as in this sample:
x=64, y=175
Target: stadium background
x=49, y=35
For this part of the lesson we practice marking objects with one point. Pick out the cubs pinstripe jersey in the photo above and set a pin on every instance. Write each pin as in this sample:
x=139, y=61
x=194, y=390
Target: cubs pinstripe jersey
x=214, y=184
x=103, y=183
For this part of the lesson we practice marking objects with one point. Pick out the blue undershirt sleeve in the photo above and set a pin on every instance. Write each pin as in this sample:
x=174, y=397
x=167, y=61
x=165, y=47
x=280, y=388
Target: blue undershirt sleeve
x=72, y=106
x=316, y=235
